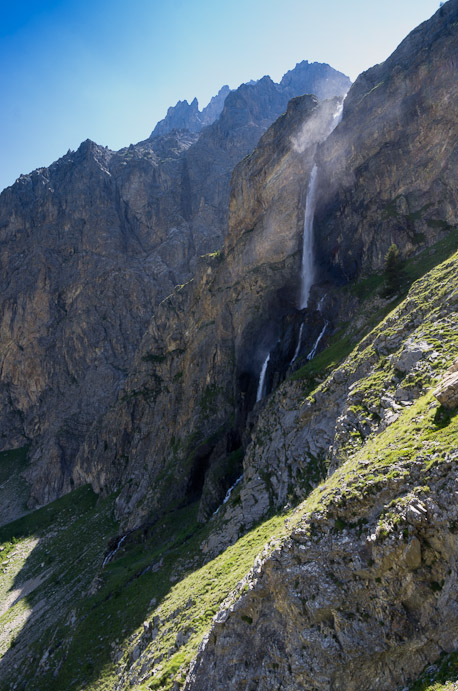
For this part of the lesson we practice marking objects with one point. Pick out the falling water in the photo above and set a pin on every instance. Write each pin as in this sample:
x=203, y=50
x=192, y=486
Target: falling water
x=307, y=240
x=337, y=116
x=298, y=347
x=262, y=378
x=228, y=494
x=307, y=269
x=320, y=303
x=111, y=554
x=317, y=342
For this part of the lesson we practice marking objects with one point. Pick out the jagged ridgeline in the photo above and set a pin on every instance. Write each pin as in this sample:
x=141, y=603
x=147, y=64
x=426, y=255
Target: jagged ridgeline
x=220, y=350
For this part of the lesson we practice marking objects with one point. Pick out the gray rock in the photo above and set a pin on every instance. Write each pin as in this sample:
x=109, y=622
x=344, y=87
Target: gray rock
x=447, y=391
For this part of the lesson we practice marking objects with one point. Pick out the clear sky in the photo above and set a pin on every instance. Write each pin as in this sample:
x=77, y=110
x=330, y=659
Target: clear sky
x=108, y=69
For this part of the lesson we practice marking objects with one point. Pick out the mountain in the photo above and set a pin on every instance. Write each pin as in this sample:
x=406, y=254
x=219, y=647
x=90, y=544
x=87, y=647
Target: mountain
x=266, y=495
x=306, y=78
x=186, y=116
x=89, y=247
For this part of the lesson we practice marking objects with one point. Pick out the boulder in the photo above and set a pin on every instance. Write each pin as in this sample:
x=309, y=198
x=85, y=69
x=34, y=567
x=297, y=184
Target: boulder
x=447, y=391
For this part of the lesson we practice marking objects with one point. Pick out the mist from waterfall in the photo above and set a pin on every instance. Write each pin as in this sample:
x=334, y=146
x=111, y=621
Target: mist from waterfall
x=307, y=268
x=307, y=240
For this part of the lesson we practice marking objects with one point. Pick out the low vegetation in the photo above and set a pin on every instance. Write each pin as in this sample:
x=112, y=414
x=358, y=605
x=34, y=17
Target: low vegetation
x=139, y=615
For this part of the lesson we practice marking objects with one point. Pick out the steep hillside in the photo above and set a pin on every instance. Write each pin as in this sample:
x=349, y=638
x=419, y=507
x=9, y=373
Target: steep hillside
x=260, y=488
x=353, y=587
x=361, y=590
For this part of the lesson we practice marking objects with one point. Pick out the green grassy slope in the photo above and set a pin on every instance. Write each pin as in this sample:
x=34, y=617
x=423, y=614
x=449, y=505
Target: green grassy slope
x=140, y=618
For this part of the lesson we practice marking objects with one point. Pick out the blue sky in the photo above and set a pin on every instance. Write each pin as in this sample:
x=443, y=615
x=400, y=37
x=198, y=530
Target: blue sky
x=108, y=69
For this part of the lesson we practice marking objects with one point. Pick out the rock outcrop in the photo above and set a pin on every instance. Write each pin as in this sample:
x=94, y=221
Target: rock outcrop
x=447, y=391
x=357, y=596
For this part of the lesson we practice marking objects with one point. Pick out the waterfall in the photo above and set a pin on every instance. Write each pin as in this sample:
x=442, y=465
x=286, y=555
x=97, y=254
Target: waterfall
x=298, y=347
x=111, y=554
x=337, y=116
x=320, y=303
x=307, y=240
x=262, y=378
x=228, y=494
x=307, y=269
x=317, y=342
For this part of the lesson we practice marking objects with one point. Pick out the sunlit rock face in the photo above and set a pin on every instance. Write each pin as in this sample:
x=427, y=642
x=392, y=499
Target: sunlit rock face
x=185, y=404
x=388, y=172
x=90, y=246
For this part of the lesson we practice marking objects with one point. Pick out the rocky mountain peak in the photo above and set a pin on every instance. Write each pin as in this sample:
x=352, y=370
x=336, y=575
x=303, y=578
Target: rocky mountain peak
x=244, y=491
x=315, y=78
x=306, y=78
x=182, y=116
x=212, y=111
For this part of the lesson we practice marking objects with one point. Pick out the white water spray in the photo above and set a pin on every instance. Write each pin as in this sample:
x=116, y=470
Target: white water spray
x=228, y=494
x=307, y=269
x=298, y=347
x=320, y=303
x=262, y=378
x=307, y=240
x=317, y=342
x=111, y=554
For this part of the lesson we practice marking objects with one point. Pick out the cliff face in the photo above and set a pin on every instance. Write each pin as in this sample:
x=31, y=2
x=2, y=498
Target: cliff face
x=400, y=112
x=89, y=247
x=194, y=380
x=341, y=478
x=360, y=590
x=192, y=406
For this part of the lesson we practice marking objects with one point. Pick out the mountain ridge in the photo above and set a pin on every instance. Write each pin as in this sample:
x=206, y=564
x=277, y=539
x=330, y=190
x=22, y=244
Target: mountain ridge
x=298, y=534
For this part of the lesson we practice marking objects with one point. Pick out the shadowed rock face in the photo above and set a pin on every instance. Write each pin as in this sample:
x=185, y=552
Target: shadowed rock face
x=85, y=251
x=89, y=247
x=388, y=172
